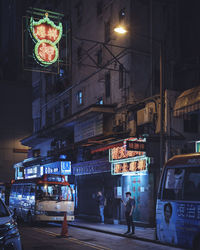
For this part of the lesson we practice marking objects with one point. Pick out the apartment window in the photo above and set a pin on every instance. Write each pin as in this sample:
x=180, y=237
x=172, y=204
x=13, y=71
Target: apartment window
x=100, y=101
x=79, y=12
x=49, y=84
x=57, y=112
x=99, y=7
x=191, y=124
x=122, y=15
x=107, y=84
x=36, y=91
x=49, y=117
x=79, y=54
x=36, y=124
x=121, y=71
x=79, y=97
x=99, y=57
x=66, y=108
x=107, y=31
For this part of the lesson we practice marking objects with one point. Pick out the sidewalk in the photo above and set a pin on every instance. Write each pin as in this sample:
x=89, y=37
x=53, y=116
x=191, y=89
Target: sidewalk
x=146, y=234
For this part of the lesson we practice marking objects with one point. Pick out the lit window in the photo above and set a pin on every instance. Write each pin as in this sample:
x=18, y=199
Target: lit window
x=100, y=101
x=61, y=72
x=80, y=97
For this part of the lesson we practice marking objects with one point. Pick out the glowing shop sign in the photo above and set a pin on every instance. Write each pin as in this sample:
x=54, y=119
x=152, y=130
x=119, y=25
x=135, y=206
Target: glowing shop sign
x=118, y=153
x=136, y=145
x=136, y=166
x=46, y=35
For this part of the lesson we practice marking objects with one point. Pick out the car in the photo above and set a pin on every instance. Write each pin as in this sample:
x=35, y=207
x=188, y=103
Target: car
x=9, y=233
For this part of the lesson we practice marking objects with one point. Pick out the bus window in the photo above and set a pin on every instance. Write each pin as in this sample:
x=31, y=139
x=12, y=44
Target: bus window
x=173, y=184
x=19, y=190
x=66, y=193
x=13, y=190
x=54, y=192
x=192, y=184
x=26, y=191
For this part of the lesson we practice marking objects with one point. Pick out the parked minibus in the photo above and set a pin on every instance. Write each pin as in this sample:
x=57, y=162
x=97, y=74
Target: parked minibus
x=42, y=199
x=178, y=202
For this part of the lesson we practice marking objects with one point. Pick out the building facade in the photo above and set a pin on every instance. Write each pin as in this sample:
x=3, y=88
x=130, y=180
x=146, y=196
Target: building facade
x=108, y=93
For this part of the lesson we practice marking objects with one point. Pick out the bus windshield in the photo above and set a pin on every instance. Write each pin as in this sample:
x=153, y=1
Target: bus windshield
x=55, y=192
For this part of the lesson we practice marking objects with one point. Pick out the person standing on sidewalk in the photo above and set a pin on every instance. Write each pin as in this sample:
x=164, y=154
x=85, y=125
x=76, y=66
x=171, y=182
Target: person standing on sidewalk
x=130, y=206
x=101, y=201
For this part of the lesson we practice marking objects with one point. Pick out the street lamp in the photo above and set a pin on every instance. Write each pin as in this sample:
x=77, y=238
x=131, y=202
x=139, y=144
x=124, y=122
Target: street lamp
x=121, y=30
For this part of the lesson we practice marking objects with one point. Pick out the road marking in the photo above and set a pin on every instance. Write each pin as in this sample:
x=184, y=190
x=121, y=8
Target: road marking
x=72, y=239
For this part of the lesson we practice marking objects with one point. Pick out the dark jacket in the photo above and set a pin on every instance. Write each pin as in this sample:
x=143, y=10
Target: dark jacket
x=100, y=200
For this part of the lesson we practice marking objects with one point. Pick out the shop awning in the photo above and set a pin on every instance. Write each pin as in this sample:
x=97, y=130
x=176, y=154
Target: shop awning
x=188, y=101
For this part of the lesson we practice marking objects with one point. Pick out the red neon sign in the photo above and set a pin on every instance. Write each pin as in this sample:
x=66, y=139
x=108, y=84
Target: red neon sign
x=46, y=31
x=46, y=35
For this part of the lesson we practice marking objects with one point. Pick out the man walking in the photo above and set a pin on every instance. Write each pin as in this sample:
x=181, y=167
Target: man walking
x=101, y=200
x=130, y=206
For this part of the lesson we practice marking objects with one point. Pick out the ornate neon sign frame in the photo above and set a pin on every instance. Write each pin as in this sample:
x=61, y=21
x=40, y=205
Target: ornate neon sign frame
x=45, y=39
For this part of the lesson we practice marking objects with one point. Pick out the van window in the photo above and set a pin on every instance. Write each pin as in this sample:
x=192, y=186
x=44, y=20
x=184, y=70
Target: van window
x=173, y=186
x=192, y=184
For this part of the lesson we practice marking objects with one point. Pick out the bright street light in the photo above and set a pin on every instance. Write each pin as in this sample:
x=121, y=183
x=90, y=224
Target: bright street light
x=120, y=30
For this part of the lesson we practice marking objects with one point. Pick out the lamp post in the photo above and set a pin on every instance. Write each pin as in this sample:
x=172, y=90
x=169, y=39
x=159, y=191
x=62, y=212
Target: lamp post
x=122, y=30
x=162, y=109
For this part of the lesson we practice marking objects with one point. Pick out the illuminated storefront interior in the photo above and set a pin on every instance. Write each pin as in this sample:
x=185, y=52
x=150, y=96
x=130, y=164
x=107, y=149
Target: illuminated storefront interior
x=133, y=166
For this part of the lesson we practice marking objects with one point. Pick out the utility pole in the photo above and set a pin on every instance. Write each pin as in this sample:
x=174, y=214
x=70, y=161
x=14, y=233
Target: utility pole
x=162, y=103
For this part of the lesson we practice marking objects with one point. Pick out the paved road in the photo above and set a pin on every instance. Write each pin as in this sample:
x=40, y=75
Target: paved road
x=46, y=238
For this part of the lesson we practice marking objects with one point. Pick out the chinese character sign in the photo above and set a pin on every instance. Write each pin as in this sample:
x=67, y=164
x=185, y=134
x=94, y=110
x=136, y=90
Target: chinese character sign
x=136, y=166
x=46, y=35
x=118, y=153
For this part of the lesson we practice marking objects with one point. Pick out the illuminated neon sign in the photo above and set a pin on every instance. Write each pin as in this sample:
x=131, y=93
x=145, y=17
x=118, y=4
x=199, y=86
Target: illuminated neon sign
x=133, y=166
x=46, y=35
x=119, y=153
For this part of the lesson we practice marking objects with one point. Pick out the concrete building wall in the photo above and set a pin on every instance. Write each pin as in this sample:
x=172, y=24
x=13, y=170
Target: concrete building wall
x=91, y=80
x=16, y=124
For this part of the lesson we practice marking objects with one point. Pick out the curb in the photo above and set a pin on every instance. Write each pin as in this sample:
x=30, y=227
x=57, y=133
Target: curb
x=119, y=234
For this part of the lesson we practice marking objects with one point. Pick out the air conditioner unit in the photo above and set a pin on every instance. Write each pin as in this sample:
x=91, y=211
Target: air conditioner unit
x=146, y=115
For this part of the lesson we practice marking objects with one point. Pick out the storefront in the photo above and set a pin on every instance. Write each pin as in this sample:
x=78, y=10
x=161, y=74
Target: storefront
x=91, y=177
x=133, y=167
